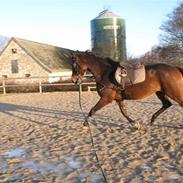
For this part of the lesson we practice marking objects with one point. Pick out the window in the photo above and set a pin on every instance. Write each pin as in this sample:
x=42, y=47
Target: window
x=14, y=66
x=14, y=50
x=4, y=76
x=27, y=75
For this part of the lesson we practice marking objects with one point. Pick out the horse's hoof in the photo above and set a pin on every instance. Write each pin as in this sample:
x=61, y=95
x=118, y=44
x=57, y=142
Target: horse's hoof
x=151, y=123
x=132, y=122
x=85, y=123
x=110, y=130
x=135, y=125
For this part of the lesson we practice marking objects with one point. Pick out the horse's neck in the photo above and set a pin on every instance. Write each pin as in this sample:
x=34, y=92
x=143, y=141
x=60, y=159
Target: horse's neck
x=97, y=68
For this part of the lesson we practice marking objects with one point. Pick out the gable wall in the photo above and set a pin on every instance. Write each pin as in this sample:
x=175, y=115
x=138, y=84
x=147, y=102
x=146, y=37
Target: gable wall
x=26, y=64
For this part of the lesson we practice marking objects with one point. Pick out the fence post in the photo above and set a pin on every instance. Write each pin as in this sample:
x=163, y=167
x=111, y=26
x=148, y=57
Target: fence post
x=89, y=88
x=4, y=86
x=40, y=86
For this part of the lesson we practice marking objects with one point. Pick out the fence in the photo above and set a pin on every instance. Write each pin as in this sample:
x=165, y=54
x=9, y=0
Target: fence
x=39, y=82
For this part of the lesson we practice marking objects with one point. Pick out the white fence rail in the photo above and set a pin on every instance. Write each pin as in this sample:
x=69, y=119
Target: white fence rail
x=39, y=82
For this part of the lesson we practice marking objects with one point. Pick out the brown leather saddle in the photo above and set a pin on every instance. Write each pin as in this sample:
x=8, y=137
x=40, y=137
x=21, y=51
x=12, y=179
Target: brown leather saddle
x=130, y=74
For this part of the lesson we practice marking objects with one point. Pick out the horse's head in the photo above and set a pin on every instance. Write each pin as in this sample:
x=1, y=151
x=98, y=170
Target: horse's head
x=79, y=67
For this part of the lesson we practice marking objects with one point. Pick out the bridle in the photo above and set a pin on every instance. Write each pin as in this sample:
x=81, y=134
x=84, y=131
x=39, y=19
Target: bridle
x=76, y=68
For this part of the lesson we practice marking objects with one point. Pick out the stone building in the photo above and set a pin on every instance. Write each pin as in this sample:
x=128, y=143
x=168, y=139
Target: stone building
x=24, y=58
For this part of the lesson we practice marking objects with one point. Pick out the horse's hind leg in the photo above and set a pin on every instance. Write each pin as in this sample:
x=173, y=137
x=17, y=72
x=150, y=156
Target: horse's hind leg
x=166, y=104
x=180, y=102
x=123, y=111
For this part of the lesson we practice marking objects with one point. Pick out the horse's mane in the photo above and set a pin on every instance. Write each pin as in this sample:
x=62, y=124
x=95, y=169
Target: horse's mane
x=112, y=62
x=106, y=61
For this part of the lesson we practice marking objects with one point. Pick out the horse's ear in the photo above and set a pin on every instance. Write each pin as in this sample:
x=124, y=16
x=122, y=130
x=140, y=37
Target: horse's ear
x=88, y=51
x=78, y=52
x=73, y=56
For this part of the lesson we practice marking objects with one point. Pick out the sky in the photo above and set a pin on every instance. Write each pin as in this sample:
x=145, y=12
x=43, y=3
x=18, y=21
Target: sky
x=66, y=23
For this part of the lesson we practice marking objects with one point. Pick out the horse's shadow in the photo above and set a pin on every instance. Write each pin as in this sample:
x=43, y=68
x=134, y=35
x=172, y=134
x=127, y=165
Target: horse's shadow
x=15, y=110
x=169, y=126
x=25, y=112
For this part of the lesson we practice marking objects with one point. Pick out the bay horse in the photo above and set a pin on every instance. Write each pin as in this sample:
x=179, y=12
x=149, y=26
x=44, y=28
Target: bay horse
x=161, y=79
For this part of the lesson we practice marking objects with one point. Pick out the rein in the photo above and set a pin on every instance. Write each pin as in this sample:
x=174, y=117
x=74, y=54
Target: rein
x=91, y=136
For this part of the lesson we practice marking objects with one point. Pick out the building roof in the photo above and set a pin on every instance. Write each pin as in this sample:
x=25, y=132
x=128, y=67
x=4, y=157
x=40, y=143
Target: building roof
x=107, y=14
x=51, y=58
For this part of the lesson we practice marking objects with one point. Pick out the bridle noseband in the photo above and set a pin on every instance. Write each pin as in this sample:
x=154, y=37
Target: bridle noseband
x=76, y=69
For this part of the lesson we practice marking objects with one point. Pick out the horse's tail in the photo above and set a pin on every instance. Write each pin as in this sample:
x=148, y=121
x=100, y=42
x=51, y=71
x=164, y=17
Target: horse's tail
x=180, y=69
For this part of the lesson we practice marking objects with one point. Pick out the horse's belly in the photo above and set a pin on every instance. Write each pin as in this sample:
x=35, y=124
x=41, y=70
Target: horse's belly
x=142, y=90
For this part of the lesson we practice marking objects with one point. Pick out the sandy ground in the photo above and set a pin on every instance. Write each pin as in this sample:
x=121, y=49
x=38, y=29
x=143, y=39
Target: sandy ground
x=43, y=140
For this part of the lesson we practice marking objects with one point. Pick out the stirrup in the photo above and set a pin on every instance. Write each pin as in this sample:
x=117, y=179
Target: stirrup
x=121, y=88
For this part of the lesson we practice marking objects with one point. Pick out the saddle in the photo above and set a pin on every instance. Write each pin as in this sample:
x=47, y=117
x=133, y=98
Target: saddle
x=130, y=74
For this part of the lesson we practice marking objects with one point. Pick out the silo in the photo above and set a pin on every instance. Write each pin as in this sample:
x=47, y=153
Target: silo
x=108, y=36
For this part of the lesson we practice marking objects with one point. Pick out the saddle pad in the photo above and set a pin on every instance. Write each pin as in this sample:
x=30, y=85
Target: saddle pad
x=132, y=76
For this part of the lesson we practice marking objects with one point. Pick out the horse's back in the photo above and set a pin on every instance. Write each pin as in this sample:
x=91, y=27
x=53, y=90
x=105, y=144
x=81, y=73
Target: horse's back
x=171, y=80
x=166, y=70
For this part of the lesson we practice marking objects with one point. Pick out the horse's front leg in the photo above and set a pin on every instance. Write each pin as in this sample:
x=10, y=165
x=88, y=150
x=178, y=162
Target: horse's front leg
x=101, y=103
x=123, y=111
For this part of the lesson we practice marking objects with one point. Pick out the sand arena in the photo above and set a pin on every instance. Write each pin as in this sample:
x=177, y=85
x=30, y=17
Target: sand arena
x=43, y=140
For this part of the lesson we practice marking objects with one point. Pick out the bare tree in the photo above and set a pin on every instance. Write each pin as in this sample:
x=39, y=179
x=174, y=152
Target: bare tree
x=173, y=29
x=170, y=49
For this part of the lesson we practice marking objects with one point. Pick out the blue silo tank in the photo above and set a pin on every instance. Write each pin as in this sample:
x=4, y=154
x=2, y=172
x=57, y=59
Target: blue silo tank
x=108, y=37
